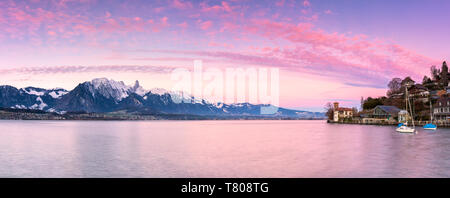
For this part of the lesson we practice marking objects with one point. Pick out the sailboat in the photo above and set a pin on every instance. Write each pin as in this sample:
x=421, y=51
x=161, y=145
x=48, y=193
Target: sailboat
x=430, y=126
x=404, y=128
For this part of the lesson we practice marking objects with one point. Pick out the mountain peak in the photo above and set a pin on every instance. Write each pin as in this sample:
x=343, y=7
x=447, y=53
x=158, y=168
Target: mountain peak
x=136, y=84
x=110, y=88
x=137, y=89
x=97, y=82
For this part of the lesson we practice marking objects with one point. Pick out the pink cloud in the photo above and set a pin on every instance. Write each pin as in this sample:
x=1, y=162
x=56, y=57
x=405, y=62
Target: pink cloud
x=23, y=21
x=205, y=25
x=164, y=21
x=353, y=59
x=354, y=53
x=223, y=7
x=183, y=25
x=179, y=4
x=107, y=14
x=217, y=44
x=158, y=9
x=280, y=3
x=311, y=50
x=85, y=69
x=228, y=27
x=51, y=33
x=306, y=3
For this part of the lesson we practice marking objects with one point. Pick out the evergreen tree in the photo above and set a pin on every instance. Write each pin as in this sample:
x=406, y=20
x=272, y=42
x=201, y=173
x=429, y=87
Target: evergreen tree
x=362, y=103
x=426, y=80
x=444, y=74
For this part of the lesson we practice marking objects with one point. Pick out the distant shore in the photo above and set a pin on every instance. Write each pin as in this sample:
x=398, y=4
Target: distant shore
x=21, y=114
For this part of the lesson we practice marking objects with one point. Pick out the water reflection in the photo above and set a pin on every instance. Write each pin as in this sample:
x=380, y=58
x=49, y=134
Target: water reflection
x=218, y=149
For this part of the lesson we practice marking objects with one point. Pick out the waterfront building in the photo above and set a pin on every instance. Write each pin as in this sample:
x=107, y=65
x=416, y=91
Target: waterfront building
x=441, y=109
x=447, y=89
x=441, y=93
x=388, y=113
x=419, y=92
x=403, y=116
x=341, y=113
x=434, y=94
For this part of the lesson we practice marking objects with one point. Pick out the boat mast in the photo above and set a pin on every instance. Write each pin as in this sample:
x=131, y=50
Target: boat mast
x=408, y=102
x=431, y=112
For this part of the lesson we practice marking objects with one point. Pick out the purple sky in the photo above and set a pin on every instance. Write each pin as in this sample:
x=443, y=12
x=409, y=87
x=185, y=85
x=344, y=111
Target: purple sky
x=326, y=49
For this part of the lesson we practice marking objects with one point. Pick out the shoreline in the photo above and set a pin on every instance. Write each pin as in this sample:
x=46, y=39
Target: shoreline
x=417, y=123
x=225, y=119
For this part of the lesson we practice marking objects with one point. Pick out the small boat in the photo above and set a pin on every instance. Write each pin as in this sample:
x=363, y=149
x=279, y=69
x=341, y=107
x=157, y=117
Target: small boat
x=403, y=128
x=430, y=126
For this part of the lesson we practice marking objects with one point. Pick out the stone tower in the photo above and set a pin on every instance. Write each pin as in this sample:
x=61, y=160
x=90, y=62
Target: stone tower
x=336, y=105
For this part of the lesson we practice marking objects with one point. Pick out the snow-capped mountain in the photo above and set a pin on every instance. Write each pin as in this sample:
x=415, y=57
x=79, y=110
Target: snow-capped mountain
x=112, y=89
x=105, y=95
x=29, y=97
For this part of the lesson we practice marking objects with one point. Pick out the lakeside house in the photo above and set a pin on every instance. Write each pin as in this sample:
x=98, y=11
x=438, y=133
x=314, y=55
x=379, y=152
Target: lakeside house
x=341, y=113
x=434, y=94
x=385, y=112
x=382, y=113
x=403, y=116
x=441, y=109
x=419, y=92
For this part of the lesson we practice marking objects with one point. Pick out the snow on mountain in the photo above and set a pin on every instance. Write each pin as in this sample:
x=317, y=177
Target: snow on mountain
x=110, y=88
x=34, y=91
x=19, y=107
x=159, y=91
x=57, y=93
x=115, y=89
x=176, y=95
x=218, y=105
x=39, y=106
x=138, y=89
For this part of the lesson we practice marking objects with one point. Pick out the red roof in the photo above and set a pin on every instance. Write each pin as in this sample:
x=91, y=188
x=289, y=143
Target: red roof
x=344, y=109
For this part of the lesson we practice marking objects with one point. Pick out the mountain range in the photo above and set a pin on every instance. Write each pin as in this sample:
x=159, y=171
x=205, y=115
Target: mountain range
x=103, y=95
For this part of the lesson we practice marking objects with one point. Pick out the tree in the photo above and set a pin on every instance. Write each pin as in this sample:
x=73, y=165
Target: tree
x=435, y=73
x=408, y=81
x=394, y=86
x=426, y=80
x=362, y=103
x=444, y=74
x=355, y=110
x=329, y=109
x=371, y=103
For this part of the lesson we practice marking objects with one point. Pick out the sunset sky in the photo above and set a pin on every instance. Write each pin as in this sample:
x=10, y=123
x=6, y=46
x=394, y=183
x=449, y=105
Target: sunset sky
x=326, y=50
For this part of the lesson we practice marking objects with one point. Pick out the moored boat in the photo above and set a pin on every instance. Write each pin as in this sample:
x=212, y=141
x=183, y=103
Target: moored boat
x=404, y=128
x=430, y=126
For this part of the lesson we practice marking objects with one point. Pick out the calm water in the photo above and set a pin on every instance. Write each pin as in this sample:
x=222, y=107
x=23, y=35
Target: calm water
x=218, y=149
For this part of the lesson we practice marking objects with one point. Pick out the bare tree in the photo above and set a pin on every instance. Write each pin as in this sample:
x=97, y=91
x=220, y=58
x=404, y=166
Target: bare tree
x=329, y=109
x=394, y=86
x=435, y=73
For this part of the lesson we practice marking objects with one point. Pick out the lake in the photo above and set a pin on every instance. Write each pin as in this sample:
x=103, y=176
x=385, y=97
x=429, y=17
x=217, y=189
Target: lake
x=218, y=149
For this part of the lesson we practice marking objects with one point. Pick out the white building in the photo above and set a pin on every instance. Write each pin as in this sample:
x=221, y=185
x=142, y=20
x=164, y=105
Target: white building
x=339, y=113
